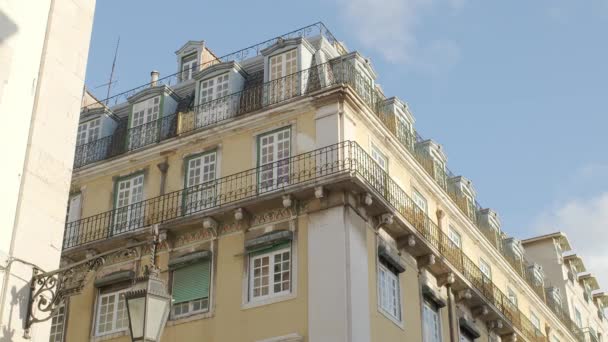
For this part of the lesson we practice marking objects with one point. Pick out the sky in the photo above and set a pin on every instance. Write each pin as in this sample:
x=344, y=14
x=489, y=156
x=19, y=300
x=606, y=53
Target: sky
x=515, y=91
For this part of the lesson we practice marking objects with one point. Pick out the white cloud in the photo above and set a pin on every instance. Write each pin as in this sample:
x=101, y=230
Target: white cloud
x=585, y=221
x=389, y=28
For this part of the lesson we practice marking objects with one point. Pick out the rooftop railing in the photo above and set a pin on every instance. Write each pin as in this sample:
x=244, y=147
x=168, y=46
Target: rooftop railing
x=316, y=29
x=346, y=159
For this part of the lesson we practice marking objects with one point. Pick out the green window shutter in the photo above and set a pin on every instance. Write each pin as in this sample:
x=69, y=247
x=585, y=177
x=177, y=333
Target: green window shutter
x=191, y=282
x=269, y=249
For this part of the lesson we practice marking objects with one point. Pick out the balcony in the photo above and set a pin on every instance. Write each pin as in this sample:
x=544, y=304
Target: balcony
x=346, y=161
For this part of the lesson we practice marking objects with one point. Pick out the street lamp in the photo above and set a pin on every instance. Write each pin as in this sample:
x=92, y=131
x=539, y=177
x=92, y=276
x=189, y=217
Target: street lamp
x=148, y=308
x=148, y=304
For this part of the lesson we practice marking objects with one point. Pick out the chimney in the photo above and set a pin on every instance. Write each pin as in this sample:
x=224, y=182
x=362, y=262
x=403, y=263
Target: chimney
x=154, y=78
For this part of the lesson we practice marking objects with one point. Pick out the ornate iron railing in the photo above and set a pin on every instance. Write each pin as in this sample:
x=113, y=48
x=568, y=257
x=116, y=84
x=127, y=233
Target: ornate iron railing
x=346, y=159
x=316, y=29
x=219, y=110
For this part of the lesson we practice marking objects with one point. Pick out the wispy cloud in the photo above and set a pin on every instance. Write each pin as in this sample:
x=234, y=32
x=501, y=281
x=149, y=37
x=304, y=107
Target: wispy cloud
x=389, y=27
x=585, y=221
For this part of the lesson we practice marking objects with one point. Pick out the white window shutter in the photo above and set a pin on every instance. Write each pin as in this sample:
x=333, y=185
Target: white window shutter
x=74, y=208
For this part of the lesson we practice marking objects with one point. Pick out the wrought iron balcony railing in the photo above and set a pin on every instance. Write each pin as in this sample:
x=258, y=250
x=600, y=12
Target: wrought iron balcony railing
x=346, y=159
x=316, y=29
x=222, y=109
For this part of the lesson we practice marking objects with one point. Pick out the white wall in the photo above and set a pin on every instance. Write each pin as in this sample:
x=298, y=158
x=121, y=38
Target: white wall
x=43, y=55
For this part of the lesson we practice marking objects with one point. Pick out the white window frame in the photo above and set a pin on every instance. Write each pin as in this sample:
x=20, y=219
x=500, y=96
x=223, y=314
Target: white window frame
x=578, y=318
x=213, y=104
x=118, y=297
x=58, y=324
x=420, y=200
x=455, y=236
x=278, y=168
x=535, y=320
x=429, y=308
x=201, y=174
x=145, y=111
x=380, y=158
x=188, y=68
x=135, y=195
x=88, y=131
x=389, y=293
x=485, y=268
x=271, y=265
x=512, y=297
x=283, y=75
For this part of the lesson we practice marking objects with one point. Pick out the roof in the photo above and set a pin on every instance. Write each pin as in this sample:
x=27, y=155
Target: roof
x=561, y=238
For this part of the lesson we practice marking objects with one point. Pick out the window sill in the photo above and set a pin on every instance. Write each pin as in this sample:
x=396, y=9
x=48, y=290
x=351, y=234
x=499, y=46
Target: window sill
x=109, y=336
x=189, y=318
x=391, y=318
x=268, y=301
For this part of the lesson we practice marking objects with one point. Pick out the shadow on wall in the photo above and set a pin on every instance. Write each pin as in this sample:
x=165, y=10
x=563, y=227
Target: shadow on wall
x=19, y=301
x=7, y=29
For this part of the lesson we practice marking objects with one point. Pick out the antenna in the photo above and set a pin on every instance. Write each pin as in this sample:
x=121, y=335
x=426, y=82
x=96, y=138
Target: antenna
x=112, y=72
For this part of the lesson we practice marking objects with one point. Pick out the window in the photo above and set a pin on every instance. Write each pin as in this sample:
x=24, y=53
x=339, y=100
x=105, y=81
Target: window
x=512, y=296
x=578, y=318
x=128, y=211
x=431, y=328
x=455, y=237
x=200, y=188
x=270, y=272
x=213, y=104
x=535, y=320
x=485, y=268
x=419, y=200
x=190, y=289
x=282, y=75
x=273, y=159
x=88, y=131
x=380, y=158
x=388, y=291
x=58, y=324
x=111, y=313
x=143, y=127
x=404, y=131
x=72, y=216
x=189, y=64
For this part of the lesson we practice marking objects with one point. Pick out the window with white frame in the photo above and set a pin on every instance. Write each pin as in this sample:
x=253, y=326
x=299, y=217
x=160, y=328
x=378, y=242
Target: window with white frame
x=144, y=129
x=485, y=268
x=128, y=211
x=270, y=272
x=419, y=200
x=190, y=288
x=274, y=150
x=389, y=291
x=535, y=320
x=431, y=322
x=379, y=157
x=88, y=132
x=282, y=74
x=512, y=296
x=200, y=188
x=189, y=63
x=72, y=216
x=213, y=104
x=58, y=324
x=578, y=318
x=111, y=313
x=455, y=237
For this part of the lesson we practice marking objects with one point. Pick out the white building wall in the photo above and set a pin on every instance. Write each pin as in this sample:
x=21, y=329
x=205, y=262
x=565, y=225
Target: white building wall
x=43, y=56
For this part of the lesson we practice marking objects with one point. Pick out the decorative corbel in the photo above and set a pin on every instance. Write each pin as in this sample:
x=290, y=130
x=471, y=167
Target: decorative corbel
x=464, y=295
x=319, y=192
x=211, y=224
x=481, y=311
x=426, y=261
x=446, y=279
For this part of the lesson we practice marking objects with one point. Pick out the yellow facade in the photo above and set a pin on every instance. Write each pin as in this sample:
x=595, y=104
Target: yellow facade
x=347, y=170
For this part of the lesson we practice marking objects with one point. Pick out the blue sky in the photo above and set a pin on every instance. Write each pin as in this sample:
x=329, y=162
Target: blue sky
x=515, y=91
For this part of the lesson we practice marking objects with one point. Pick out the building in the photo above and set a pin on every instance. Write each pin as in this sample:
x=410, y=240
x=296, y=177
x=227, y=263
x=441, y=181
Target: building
x=43, y=57
x=297, y=203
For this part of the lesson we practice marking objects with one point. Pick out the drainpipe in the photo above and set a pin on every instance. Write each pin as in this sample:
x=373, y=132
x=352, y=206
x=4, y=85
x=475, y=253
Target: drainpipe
x=451, y=313
x=163, y=167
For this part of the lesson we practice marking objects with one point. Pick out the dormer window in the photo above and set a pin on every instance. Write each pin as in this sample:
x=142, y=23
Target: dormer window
x=282, y=69
x=213, y=88
x=188, y=66
x=88, y=131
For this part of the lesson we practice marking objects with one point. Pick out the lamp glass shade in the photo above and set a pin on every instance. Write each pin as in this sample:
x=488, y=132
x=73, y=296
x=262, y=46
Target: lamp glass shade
x=137, y=313
x=157, y=314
